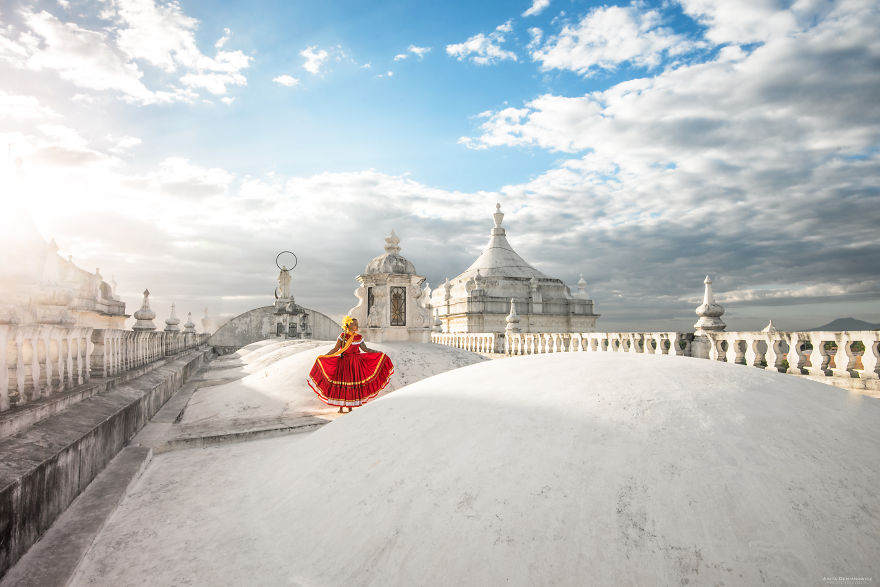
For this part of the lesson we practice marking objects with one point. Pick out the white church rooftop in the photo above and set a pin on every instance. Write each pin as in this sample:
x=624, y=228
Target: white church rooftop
x=499, y=258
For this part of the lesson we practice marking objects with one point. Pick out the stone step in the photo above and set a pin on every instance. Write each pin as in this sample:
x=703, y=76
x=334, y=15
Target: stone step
x=237, y=430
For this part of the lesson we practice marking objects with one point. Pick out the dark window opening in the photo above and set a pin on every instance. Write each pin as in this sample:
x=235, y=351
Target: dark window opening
x=398, y=306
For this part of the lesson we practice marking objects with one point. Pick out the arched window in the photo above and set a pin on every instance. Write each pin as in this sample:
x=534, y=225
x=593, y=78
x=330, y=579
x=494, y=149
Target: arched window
x=398, y=306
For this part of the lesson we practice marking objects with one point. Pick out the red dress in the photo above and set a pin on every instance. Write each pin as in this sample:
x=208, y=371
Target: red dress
x=350, y=378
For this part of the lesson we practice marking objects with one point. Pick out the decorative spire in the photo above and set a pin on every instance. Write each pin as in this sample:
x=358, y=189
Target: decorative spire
x=709, y=311
x=189, y=326
x=582, y=288
x=172, y=323
x=498, y=215
x=498, y=230
x=392, y=243
x=512, y=318
x=769, y=327
x=145, y=315
x=438, y=324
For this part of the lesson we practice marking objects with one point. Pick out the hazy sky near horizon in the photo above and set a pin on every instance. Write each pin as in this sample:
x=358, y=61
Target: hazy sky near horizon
x=181, y=145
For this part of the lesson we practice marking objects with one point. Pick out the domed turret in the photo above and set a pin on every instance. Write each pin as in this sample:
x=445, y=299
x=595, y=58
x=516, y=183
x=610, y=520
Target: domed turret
x=391, y=302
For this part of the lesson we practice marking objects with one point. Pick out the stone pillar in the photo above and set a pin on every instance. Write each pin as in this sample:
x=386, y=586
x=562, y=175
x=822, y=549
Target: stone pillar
x=145, y=315
x=709, y=313
x=172, y=323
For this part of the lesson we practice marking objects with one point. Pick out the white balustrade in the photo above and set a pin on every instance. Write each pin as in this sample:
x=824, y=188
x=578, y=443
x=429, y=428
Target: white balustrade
x=850, y=354
x=38, y=360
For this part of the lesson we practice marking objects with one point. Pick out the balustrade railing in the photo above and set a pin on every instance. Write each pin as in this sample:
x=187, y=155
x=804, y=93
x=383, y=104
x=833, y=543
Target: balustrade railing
x=848, y=354
x=529, y=343
x=39, y=360
x=489, y=343
x=826, y=354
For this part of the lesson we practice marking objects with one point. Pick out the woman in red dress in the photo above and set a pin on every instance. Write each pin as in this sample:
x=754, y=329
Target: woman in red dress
x=351, y=374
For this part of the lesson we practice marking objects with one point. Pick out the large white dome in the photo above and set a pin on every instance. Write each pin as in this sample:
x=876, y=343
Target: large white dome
x=563, y=469
x=588, y=469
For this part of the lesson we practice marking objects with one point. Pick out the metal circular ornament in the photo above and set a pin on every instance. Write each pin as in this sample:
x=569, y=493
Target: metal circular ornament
x=283, y=267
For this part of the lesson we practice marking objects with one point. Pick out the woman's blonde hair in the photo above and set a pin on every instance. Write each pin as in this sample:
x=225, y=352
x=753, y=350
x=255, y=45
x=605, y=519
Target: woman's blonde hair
x=346, y=323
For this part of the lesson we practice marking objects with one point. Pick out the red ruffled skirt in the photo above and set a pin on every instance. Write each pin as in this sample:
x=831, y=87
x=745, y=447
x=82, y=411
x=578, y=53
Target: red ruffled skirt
x=350, y=379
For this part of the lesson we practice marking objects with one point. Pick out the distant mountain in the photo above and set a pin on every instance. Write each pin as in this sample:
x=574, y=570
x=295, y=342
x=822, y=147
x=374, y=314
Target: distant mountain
x=846, y=324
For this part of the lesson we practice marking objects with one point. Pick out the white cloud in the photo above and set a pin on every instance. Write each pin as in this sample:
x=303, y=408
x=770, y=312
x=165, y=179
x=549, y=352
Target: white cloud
x=713, y=165
x=85, y=58
x=608, y=36
x=227, y=34
x=484, y=49
x=536, y=8
x=315, y=59
x=286, y=80
x=179, y=177
x=419, y=52
x=123, y=144
x=228, y=100
x=140, y=32
x=20, y=108
x=400, y=56
x=745, y=21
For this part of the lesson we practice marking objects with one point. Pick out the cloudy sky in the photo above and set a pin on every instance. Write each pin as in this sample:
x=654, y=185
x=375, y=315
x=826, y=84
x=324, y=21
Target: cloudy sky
x=180, y=145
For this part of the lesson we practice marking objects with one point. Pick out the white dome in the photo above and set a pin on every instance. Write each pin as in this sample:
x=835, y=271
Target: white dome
x=603, y=469
x=391, y=261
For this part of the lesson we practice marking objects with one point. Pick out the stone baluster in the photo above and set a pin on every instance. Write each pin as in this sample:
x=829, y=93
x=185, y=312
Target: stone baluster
x=69, y=337
x=36, y=388
x=871, y=357
x=20, y=396
x=844, y=360
x=682, y=350
x=773, y=354
x=819, y=358
x=795, y=359
x=77, y=338
x=4, y=368
x=752, y=354
x=652, y=344
x=733, y=352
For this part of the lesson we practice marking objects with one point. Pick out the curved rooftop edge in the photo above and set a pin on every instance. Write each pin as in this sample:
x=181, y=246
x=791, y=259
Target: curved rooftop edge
x=259, y=324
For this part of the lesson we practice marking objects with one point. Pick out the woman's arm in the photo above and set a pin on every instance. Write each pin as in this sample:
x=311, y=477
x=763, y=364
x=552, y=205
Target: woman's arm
x=337, y=347
x=364, y=348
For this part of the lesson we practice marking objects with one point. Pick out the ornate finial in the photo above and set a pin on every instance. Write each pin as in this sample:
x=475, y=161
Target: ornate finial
x=512, y=318
x=145, y=315
x=391, y=243
x=53, y=246
x=582, y=288
x=498, y=215
x=437, y=326
x=189, y=326
x=172, y=322
x=709, y=311
x=769, y=327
